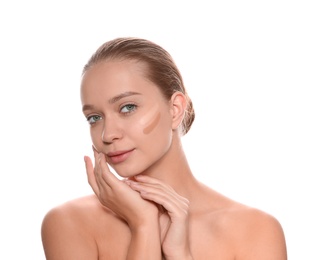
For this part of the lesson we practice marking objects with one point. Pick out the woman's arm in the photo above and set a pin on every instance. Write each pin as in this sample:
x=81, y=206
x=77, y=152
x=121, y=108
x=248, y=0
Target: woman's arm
x=64, y=238
x=263, y=237
x=255, y=234
x=141, y=215
x=174, y=218
x=145, y=242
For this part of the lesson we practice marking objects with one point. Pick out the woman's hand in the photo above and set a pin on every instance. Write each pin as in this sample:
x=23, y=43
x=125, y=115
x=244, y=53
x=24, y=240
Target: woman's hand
x=141, y=215
x=116, y=195
x=173, y=218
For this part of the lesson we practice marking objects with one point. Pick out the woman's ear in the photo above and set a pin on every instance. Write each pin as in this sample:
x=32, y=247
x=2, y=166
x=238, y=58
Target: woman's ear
x=178, y=104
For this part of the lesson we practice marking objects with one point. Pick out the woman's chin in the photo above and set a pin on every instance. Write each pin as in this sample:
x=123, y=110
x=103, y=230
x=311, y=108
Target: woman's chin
x=127, y=175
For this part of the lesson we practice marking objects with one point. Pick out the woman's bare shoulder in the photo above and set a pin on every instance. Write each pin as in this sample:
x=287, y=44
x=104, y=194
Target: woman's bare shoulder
x=74, y=210
x=79, y=214
x=247, y=227
x=77, y=227
x=258, y=230
x=64, y=230
x=232, y=211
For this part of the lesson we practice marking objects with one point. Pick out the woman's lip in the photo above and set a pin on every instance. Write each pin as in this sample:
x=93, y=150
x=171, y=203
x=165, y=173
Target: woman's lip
x=119, y=156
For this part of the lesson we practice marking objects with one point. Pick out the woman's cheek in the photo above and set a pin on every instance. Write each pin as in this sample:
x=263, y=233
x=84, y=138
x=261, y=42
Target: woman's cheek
x=151, y=124
x=150, y=120
x=96, y=137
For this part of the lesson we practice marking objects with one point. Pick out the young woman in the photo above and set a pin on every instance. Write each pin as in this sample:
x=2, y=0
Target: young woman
x=134, y=99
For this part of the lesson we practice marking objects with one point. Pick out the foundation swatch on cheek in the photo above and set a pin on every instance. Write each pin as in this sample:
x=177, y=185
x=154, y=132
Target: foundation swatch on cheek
x=152, y=124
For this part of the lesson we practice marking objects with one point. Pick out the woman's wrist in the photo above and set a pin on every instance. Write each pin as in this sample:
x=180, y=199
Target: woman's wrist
x=186, y=257
x=179, y=255
x=145, y=241
x=145, y=223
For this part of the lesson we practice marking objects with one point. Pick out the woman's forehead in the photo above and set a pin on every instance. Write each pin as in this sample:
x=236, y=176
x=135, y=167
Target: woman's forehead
x=113, y=78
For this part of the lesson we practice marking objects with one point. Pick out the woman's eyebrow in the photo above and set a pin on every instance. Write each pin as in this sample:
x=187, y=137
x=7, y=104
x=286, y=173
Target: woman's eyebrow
x=87, y=107
x=113, y=99
x=123, y=95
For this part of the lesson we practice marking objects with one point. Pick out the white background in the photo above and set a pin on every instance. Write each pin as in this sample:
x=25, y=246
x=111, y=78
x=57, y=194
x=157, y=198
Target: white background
x=249, y=66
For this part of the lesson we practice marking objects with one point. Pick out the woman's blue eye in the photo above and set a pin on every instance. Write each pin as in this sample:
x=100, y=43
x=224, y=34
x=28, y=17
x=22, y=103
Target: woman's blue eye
x=93, y=119
x=128, y=108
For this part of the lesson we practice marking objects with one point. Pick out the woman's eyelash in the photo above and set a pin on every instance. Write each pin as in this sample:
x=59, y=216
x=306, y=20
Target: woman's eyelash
x=93, y=119
x=128, y=108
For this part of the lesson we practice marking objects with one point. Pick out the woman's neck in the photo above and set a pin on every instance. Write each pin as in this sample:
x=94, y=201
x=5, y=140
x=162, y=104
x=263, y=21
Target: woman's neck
x=174, y=170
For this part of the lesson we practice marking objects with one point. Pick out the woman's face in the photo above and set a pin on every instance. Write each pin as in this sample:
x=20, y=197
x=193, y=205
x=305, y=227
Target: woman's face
x=130, y=120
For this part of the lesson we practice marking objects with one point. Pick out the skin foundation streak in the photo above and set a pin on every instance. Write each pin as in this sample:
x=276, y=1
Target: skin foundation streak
x=152, y=124
x=150, y=120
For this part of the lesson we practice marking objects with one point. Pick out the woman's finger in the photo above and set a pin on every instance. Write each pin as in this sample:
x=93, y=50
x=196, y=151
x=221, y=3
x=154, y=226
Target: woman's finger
x=91, y=175
x=146, y=181
x=96, y=165
x=105, y=174
x=101, y=170
x=175, y=207
x=175, y=204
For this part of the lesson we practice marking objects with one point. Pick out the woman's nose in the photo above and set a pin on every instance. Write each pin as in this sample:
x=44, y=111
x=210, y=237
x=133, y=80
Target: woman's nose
x=111, y=131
